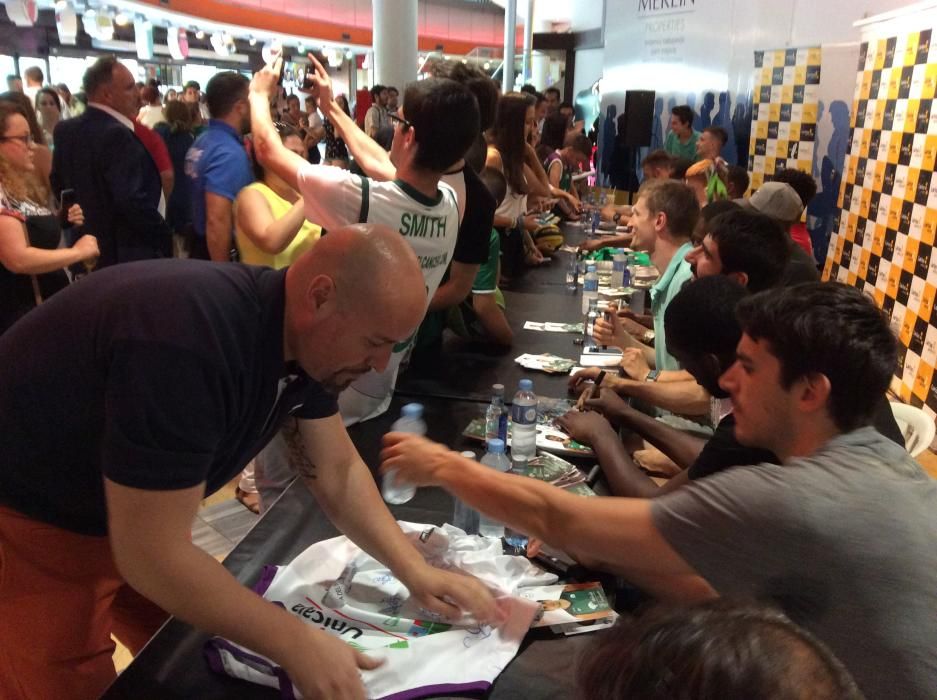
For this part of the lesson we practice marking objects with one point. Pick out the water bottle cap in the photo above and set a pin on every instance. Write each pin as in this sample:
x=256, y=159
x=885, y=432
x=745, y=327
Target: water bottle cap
x=497, y=389
x=468, y=454
x=412, y=410
x=525, y=385
x=496, y=445
x=590, y=268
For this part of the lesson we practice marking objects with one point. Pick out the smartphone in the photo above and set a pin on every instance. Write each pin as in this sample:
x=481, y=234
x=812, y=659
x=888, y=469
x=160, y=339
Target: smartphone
x=67, y=199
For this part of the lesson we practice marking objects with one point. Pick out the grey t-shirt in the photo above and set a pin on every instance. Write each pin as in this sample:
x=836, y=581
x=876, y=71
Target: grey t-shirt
x=845, y=541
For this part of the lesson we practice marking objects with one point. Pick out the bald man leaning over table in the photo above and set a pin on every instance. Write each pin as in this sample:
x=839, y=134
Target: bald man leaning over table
x=125, y=399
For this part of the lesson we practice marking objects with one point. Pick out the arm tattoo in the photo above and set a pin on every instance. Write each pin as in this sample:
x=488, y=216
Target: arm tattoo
x=297, y=449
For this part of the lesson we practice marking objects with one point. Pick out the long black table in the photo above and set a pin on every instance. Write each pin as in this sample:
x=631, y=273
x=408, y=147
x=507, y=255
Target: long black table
x=466, y=370
x=453, y=391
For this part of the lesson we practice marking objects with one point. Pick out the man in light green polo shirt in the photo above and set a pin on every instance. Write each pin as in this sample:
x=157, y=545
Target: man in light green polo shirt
x=681, y=139
x=661, y=219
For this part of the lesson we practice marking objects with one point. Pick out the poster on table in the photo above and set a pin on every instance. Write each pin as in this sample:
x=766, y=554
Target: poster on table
x=784, y=112
x=882, y=242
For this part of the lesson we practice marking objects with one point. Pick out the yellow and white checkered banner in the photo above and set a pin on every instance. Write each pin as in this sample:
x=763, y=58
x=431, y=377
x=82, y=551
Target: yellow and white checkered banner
x=883, y=241
x=784, y=112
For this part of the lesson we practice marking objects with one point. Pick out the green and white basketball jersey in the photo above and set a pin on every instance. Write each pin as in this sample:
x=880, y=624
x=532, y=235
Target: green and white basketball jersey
x=430, y=226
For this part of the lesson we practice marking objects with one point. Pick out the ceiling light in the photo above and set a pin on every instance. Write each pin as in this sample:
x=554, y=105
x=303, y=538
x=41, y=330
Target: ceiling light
x=61, y=5
x=122, y=19
x=253, y=41
x=199, y=34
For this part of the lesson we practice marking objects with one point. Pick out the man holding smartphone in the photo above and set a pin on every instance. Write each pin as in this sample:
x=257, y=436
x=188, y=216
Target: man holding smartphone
x=434, y=127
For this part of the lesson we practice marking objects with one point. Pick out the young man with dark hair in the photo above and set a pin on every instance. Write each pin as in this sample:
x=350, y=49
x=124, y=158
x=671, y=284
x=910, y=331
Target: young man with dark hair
x=393, y=95
x=376, y=116
x=569, y=112
x=751, y=248
x=681, y=139
x=192, y=94
x=563, y=162
x=218, y=167
x=657, y=165
x=723, y=649
x=436, y=124
x=14, y=83
x=737, y=181
x=806, y=188
x=840, y=536
x=781, y=202
x=34, y=80
x=662, y=220
x=553, y=98
x=710, y=143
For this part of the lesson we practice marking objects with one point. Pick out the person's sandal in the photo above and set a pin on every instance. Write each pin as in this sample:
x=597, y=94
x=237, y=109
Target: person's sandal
x=251, y=501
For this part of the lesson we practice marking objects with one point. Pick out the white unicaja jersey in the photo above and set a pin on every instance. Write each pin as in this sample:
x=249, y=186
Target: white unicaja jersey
x=334, y=197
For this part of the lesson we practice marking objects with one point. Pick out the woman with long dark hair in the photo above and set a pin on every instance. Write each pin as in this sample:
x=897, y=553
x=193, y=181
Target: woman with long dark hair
x=336, y=153
x=510, y=154
x=49, y=112
x=178, y=133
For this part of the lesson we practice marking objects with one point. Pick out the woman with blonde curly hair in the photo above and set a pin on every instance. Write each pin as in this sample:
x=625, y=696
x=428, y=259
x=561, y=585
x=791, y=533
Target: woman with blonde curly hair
x=32, y=266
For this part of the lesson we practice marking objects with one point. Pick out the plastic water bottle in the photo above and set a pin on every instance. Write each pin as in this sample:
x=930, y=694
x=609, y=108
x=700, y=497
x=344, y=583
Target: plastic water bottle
x=590, y=319
x=628, y=272
x=410, y=421
x=572, y=272
x=523, y=426
x=590, y=288
x=496, y=417
x=619, y=261
x=496, y=459
x=464, y=516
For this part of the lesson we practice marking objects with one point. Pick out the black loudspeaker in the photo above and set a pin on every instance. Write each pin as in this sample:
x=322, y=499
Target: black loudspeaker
x=638, y=118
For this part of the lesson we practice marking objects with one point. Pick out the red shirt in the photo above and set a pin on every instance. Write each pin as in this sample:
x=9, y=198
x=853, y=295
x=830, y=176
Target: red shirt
x=801, y=237
x=155, y=145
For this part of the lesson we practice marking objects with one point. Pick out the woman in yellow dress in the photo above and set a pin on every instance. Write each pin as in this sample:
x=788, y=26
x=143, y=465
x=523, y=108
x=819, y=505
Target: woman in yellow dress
x=270, y=221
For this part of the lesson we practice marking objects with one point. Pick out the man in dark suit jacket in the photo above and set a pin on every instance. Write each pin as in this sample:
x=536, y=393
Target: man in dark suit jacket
x=113, y=175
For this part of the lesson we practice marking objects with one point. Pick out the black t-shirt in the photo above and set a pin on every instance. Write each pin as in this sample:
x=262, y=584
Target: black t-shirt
x=471, y=246
x=800, y=268
x=158, y=375
x=724, y=451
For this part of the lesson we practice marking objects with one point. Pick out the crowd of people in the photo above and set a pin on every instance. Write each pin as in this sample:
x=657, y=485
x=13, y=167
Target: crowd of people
x=228, y=300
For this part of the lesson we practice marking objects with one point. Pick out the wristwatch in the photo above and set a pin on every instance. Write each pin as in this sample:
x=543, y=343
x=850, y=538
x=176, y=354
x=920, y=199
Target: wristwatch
x=652, y=375
x=617, y=217
x=648, y=337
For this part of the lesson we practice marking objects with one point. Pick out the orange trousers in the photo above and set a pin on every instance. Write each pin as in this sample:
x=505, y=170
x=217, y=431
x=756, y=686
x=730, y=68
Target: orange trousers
x=61, y=598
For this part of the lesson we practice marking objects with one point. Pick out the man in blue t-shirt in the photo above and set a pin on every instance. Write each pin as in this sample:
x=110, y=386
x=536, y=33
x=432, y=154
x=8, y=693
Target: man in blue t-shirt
x=218, y=166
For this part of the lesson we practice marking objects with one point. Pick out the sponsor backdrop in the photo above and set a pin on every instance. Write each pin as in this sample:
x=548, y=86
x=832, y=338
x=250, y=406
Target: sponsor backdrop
x=784, y=112
x=883, y=240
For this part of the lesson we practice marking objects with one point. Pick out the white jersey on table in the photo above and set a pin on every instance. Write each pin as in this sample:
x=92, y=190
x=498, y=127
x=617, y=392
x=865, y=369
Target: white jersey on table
x=430, y=225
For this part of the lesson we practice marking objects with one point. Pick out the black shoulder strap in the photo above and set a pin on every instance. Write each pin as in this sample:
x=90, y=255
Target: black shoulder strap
x=365, y=200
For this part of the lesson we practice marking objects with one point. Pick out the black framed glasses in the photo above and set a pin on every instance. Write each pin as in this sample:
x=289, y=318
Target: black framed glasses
x=397, y=119
x=26, y=140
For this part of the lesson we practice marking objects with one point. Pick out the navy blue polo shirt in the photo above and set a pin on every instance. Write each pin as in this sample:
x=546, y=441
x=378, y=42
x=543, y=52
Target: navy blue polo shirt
x=216, y=163
x=159, y=375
